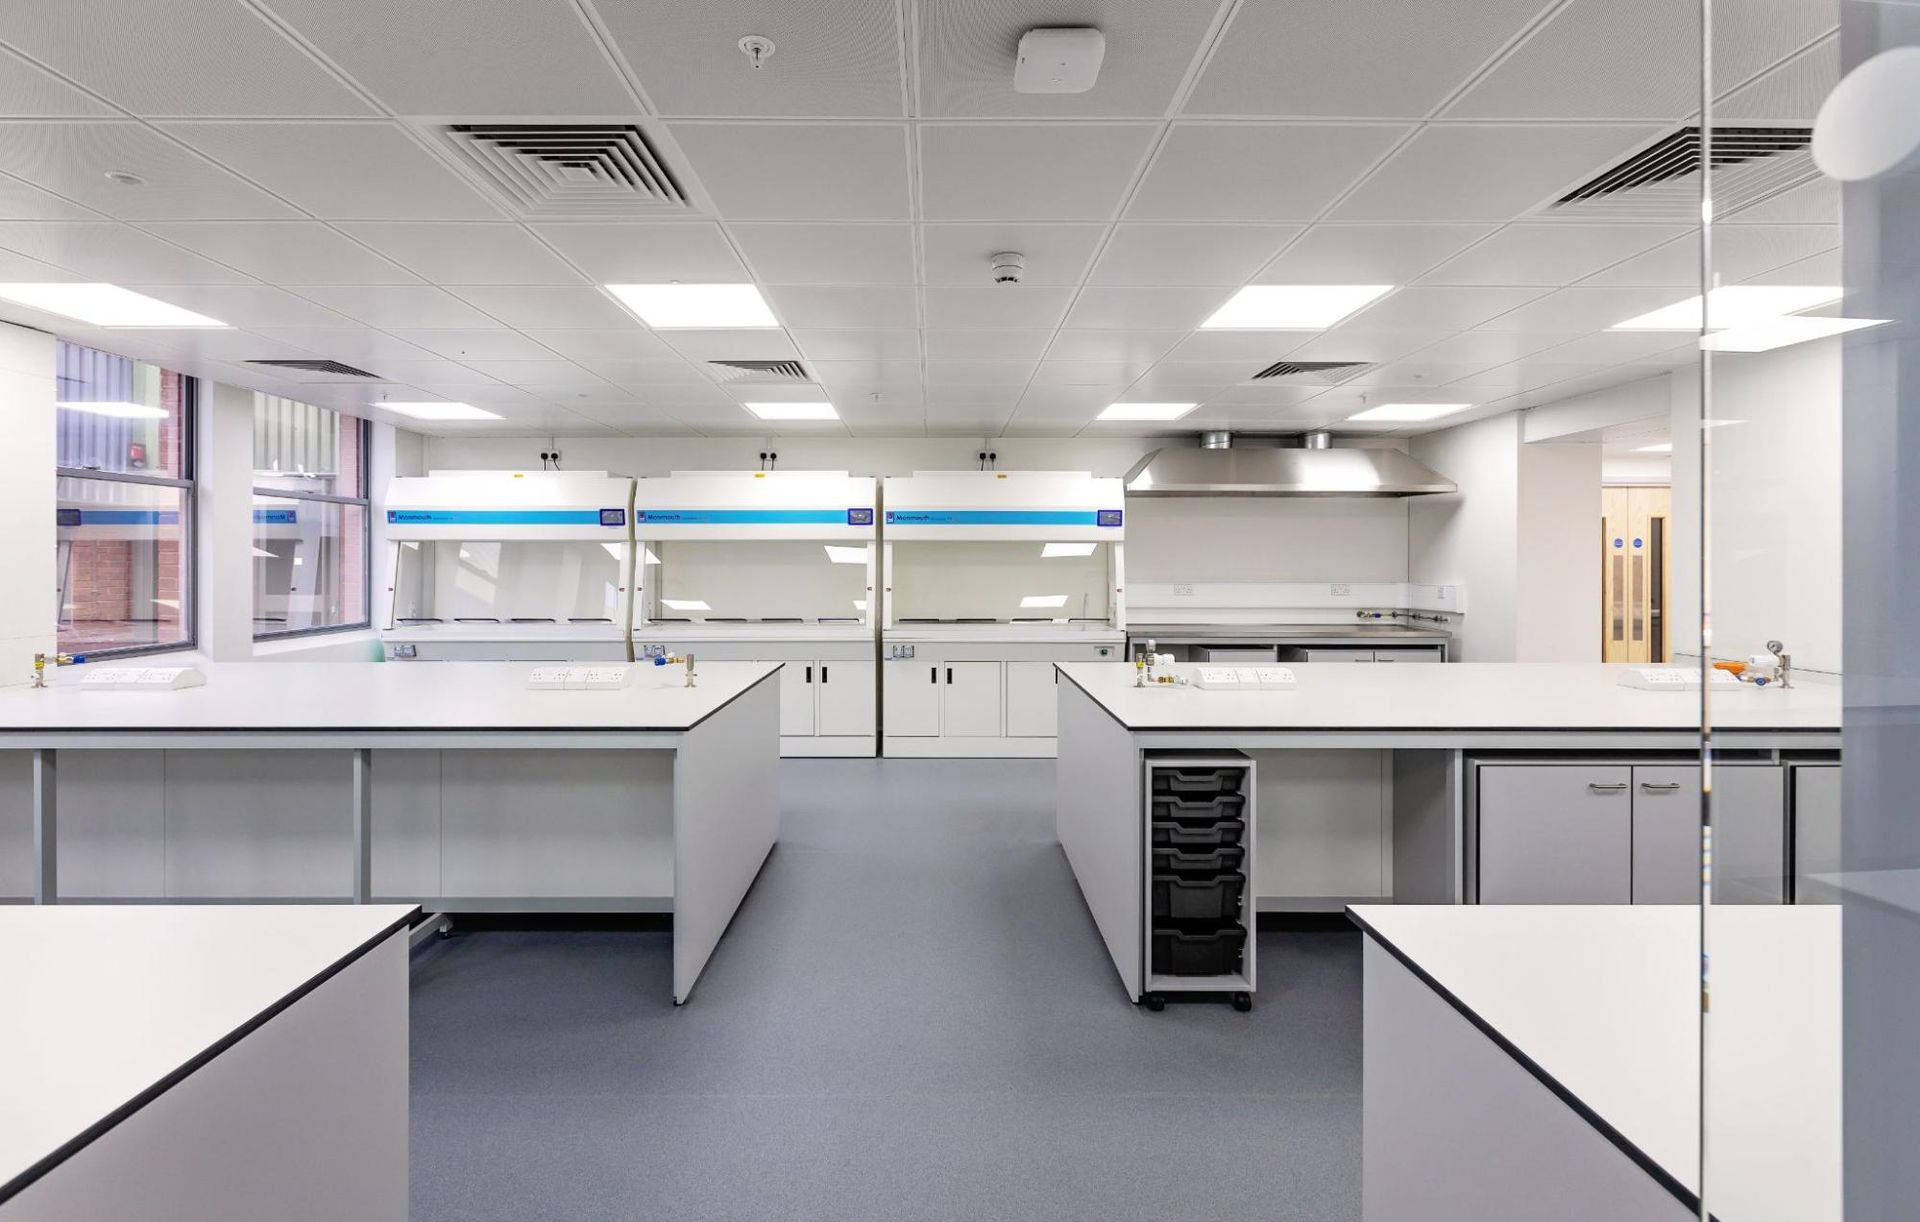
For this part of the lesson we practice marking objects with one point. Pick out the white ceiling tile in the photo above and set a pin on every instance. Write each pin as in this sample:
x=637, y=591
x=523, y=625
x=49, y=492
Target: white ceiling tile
x=1256, y=171
x=23, y=201
x=1342, y=344
x=1059, y=401
x=1415, y=372
x=1816, y=202
x=286, y=252
x=949, y=397
x=238, y=346
x=112, y=252
x=756, y=345
x=1254, y=348
x=1368, y=254
x=1739, y=252
x=543, y=374
x=1129, y=346
x=862, y=377
x=979, y=373
x=1487, y=173
x=1444, y=310
x=396, y=306
x=988, y=345
x=476, y=252
x=354, y=345
x=647, y=252
x=1582, y=309
x=843, y=306
x=439, y=376
x=967, y=53
x=1136, y=309
x=478, y=344
x=1609, y=348
x=1555, y=255
x=1351, y=60
x=865, y=344
x=1789, y=93
x=838, y=60
x=1823, y=268
x=1195, y=374
x=997, y=305
x=1485, y=349
x=647, y=373
x=828, y=254
x=1188, y=254
x=22, y=270
x=1034, y=171
x=524, y=306
x=247, y=305
x=798, y=392
x=1530, y=375
x=1088, y=373
x=1268, y=395
x=838, y=172
x=632, y=342
x=1054, y=254
x=390, y=176
x=28, y=91
x=185, y=57
x=467, y=57
x=72, y=160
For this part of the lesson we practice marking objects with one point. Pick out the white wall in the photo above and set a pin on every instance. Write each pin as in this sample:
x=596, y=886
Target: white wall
x=28, y=589
x=223, y=525
x=1557, y=583
x=1471, y=537
x=1773, y=484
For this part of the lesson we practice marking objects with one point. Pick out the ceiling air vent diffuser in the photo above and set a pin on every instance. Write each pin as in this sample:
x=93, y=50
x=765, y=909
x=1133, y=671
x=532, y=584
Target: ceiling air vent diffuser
x=1315, y=373
x=759, y=373
x=570, y=169
x=1662, y=181
x=332, y=367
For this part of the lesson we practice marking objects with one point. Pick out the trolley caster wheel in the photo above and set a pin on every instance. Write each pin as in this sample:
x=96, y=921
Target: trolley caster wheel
x=1154, y=1002
x=446, y=932
x=1243, y=1002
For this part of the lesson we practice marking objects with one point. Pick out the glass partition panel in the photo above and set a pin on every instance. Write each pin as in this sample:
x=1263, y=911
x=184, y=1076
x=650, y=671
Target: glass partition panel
x=507, y=582
x=1001, y=582
x=121, y=564
x=309, y=564
x=771, y=581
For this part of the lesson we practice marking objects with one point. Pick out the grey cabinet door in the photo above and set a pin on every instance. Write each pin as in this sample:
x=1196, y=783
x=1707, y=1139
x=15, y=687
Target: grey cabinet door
x=1749, y=834
x=1816, y=831
x=1555, y=834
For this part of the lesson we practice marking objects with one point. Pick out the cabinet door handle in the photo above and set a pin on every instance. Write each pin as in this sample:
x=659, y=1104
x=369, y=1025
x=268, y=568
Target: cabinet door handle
x=949, y=675
x=933, y=674
x=1615, y=787
x=823, y=674
x=1659, y=786
x=809, y=674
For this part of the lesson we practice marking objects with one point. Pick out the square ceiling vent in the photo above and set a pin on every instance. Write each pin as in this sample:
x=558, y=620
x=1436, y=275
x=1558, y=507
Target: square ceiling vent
x=1311, y=373
x=330, y=368
x=759, y=373
x=544, y=170
x=1662, y=181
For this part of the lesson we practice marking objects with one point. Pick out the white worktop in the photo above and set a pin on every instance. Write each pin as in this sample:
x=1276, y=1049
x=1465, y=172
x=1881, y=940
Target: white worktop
x=1605, y=1000
x=453, y=696
x=104, y=1004
x=1457, y=696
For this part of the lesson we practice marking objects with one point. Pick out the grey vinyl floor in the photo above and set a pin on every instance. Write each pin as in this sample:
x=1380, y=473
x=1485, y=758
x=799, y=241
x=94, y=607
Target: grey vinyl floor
x=912, y=1018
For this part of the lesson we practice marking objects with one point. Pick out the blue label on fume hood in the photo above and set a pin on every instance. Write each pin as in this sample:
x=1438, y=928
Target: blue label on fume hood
x=859, y=517
x=1003, y=517
x=276, y=517
x=495, y=517
x=116, y=517
x=745, y=517
x=613, y=517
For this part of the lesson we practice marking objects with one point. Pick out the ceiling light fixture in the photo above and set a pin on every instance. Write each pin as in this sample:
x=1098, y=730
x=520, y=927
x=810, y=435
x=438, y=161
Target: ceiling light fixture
x=1409, y=413
x=1736, y=305
x=793, y=411
x=104, y=305
x=671, y=307
x=1146, y=411
x=1292, y=307
x=1049, y=550
x=439, y=411
x=1781, y=332
x=121, y=411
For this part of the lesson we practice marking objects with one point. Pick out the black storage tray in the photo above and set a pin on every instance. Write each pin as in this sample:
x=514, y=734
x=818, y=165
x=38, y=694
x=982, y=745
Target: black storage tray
x=1197, y=780
x=1198, y=810
x=1214, y=898
x=1192, y=836
x=1204, y=860
x=1198, y=952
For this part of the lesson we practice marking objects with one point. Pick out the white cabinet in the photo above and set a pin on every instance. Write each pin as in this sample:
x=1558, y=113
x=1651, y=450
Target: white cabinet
x=1556, y=834
x=912, y=699
x=1317, y=653
x=970, y=699
x=796, y=698
x=845, y=695
x=1033, y=700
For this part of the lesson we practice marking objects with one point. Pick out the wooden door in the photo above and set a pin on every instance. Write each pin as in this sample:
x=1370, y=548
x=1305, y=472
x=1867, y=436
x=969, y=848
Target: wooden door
x=1636, y=568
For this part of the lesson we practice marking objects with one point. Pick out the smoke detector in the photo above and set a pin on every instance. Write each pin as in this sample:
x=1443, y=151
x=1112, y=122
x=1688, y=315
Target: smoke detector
x=1059, y=61
x=1008, y=267
x=756, y=48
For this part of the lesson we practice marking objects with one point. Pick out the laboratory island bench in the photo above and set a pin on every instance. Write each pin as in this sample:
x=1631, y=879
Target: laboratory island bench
x=1185, y=812
x=448, y=784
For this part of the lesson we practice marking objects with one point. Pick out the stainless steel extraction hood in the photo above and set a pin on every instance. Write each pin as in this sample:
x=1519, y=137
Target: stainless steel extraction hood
x=1217, y=468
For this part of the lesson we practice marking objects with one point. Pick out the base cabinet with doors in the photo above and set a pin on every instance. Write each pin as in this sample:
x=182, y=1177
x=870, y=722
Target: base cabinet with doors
x=829, y=689
x=955, y=699
x=1626, y=831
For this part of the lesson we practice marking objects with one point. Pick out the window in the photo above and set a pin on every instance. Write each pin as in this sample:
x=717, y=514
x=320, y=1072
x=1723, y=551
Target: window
x=310, y=519
x=125, y=515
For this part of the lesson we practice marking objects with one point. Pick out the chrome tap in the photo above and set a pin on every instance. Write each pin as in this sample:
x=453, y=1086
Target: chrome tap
x=1782, y=663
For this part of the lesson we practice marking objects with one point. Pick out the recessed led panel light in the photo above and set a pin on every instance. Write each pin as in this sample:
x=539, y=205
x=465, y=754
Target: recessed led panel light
x=1771, y=333
x=845, y=555
x=1292, y=307
x=1146, y=411
x=439, y=411
x=1044, y=600
x=123, y=411
x=1408, y=413
x=793, y=411
x=685, y=604
x=666, y=307
x=104, y=305
x=1048, y=550
x=1658, y=447
x=1736, y=305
